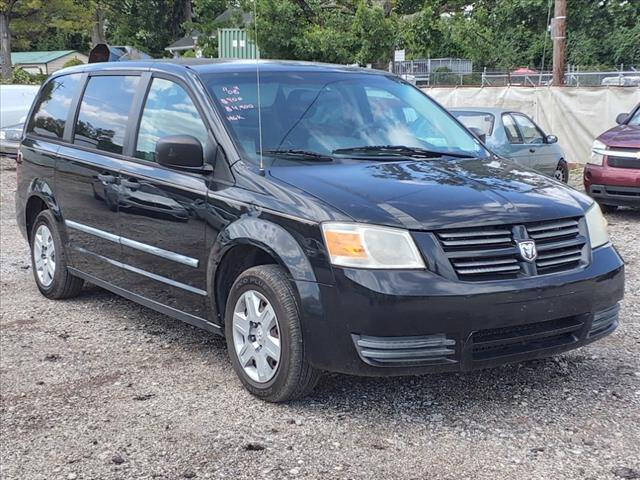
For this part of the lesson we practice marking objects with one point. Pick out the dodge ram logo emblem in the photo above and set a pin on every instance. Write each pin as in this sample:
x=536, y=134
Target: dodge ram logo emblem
x=528, y=250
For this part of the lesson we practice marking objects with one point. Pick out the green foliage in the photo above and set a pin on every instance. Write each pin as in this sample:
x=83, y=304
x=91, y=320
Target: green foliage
x=72, y=62
x=49, y=25
x=20, y=76
x=500, y=34
x=189, y=54
x=351, y=32
x=149, y=25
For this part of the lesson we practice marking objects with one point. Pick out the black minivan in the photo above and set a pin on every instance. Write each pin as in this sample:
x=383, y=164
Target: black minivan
x=323, y=218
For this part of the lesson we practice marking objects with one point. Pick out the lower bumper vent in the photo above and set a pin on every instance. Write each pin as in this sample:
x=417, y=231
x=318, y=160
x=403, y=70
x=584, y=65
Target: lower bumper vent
x=405, y=351
x=516, y=340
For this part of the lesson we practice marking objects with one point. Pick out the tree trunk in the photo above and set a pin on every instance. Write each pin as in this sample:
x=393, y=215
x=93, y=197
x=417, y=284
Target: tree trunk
x=5, y=45
x=188, y=12
x=97, y=28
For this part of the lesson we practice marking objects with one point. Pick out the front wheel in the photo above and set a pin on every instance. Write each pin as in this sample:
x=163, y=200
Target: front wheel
x=264, y=336
x=562, y=172
x=49, y=260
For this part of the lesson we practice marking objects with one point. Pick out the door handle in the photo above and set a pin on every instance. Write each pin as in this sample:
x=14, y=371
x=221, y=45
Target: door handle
x=131, y=184
x=106, y=178
x=532, y=150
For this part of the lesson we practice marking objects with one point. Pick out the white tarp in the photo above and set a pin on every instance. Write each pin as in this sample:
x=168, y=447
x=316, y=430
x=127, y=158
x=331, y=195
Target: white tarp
x=576, y=115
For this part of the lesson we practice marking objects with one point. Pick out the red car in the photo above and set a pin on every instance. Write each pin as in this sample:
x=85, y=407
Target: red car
x=612, y=174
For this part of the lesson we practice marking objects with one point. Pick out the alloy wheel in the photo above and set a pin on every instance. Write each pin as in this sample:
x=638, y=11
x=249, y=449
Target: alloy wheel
x=256, y=336
x=559, y=174
x=44, y=255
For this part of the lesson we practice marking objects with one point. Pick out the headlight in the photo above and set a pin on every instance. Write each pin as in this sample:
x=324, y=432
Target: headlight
x=597, y=226
x=364, y=246
x=12, y=133
x=597, y=153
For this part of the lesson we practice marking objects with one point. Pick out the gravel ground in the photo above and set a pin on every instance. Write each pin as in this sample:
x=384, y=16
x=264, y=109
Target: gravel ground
x=100, y=388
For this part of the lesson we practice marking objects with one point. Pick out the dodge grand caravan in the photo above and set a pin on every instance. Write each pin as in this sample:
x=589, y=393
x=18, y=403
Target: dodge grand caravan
x=340, y=220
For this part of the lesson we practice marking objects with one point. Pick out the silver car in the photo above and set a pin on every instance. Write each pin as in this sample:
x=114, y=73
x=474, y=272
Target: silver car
x=15, y=102
x=514, y=135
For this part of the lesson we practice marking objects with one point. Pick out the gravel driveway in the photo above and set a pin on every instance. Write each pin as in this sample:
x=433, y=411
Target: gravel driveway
x=100, y=388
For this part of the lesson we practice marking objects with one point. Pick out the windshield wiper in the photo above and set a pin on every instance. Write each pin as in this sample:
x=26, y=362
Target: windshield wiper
x=301, y=154
x=400, y=150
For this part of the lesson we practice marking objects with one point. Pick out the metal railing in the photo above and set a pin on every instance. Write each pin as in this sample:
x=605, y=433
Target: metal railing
x=627, y=78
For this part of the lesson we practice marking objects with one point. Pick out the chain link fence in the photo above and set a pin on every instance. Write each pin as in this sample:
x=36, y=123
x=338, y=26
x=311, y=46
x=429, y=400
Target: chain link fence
x=458, y=72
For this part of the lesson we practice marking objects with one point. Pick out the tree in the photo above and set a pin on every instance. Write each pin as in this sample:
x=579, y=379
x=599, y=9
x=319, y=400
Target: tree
x=344, y=31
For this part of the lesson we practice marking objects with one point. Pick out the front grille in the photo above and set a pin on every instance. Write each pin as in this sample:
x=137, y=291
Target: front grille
x=405, y=351
x=625, y=162
x=481, y=253
x=519, y=339
x=490, y=252
x=559, y=244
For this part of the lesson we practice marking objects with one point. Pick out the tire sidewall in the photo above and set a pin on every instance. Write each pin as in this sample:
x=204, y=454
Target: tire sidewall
x=251, y=281
x=47, y=219
x=564, y=168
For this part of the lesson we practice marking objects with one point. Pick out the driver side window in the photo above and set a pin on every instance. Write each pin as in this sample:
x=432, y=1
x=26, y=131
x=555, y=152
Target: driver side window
x=530, y=132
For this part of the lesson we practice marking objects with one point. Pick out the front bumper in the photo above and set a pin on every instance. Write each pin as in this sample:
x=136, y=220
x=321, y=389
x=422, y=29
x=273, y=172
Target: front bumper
x=9, y=148
x=412, y=322
x=614, y=195
x=613, y=186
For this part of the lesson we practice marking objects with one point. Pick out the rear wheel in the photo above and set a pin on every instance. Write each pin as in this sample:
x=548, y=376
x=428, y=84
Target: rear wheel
x=562, y=172
x=264, y=336
x=49, y=260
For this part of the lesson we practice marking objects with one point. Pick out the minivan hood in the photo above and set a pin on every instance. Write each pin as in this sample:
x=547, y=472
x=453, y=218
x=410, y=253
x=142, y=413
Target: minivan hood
x=622, y=136
x=436, y=194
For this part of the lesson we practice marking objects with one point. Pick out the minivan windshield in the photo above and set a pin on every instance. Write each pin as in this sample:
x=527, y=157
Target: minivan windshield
x=334, y=113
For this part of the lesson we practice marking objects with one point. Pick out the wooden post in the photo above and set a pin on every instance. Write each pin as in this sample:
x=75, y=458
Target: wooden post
x=559, y=41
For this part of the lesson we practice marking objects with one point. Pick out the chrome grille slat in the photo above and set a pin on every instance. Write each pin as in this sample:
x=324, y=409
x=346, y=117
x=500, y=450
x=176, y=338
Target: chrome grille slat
x=550, y=226
x=480, y=263
x=479, y=233
x=475, y=271
x=478, y=241
x=549, y=263
x=565, y=253
x=555, y=233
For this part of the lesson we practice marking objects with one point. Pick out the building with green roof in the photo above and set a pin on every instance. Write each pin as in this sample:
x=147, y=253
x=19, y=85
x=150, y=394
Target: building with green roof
x=45, y=62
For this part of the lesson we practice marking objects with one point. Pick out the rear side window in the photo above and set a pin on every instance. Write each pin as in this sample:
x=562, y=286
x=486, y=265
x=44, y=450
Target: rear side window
x=104, y=112
x=167, y=111
x=52, y=107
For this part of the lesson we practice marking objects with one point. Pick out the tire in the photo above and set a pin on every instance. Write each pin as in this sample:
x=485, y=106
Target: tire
x=61, y=284
x=607, y=208
x=291, y=376
x=562, y=172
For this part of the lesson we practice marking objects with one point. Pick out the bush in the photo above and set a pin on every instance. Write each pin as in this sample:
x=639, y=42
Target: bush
x=19, y=76
x=189, y=54
x=72, y=62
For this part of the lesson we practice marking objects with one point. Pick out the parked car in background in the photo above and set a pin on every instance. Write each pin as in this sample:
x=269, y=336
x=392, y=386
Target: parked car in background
x=612, y=173
x=15, y=102
x=514, y=135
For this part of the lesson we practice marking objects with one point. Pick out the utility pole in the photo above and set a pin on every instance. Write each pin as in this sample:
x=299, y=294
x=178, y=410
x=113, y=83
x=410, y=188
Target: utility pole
x=559, y=41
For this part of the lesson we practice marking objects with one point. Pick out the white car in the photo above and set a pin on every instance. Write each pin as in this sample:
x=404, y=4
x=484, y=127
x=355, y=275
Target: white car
x=15, y=102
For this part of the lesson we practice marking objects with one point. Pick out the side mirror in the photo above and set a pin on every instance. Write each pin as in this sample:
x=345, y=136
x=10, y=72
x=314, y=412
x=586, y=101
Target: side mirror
x=622, y=118
x=551, y=139
x=480, y=135
x=182, y=152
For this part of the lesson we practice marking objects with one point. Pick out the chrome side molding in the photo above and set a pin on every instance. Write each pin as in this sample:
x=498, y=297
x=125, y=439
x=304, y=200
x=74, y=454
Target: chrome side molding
x=127, y=242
